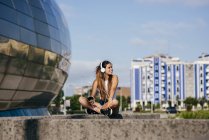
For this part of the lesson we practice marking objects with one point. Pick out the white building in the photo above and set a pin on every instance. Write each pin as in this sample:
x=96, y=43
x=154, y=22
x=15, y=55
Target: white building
x=201, y=70
x=160, y=78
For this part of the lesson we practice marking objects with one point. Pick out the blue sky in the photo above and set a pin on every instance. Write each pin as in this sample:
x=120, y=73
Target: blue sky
x=123, y=30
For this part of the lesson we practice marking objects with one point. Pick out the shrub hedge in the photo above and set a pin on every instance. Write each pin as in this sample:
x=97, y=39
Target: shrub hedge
x=201, y=114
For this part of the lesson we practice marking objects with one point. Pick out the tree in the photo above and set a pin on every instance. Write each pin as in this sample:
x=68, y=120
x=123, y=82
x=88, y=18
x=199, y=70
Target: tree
x=189, y=102
x=178, y=100
x=202, y=101
x=124, y=101
x=57, y=101
x=74, y=102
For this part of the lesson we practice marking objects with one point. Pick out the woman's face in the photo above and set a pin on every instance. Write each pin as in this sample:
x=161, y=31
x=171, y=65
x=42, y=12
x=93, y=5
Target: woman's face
x=109, y=69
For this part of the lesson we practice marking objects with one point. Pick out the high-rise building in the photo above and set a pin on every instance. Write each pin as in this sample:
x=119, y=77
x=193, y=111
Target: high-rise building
x=201, y=82
x=161, y=78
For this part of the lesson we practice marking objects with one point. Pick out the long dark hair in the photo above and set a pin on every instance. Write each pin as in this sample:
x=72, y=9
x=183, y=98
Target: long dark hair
x=100, y=77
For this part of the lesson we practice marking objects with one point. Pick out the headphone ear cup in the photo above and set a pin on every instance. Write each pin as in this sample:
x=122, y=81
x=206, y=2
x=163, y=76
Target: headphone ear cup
x=102, y=69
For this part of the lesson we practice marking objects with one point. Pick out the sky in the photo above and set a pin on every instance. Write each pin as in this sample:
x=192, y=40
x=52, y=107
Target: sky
x=123, y=30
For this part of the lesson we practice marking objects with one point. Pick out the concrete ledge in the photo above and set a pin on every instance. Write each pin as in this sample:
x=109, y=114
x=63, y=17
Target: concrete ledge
x=68, y=128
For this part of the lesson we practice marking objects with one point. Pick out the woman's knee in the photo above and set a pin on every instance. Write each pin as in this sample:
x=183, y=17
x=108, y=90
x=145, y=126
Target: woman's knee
x=115, y=102
x=81, y=99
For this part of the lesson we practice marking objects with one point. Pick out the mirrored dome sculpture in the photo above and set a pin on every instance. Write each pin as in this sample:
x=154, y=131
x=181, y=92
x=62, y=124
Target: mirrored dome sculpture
x=34, y=55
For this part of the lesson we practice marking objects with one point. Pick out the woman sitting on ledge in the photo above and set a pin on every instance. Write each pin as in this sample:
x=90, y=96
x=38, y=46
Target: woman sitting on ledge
x=106, y=83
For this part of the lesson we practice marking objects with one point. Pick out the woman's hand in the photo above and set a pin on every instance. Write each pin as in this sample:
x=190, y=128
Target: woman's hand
x=91, y=100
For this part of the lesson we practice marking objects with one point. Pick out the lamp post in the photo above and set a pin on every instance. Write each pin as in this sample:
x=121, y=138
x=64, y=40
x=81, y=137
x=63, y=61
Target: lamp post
x=120, y=89
x=64, y=107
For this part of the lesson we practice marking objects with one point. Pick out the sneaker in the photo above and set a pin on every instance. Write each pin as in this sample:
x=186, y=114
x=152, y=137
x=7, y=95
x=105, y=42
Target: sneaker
x=106, y=112
x=89, y=111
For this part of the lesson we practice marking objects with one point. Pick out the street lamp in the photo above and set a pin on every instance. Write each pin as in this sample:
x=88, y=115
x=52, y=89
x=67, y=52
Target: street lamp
x=64, y=107
x=120, y=89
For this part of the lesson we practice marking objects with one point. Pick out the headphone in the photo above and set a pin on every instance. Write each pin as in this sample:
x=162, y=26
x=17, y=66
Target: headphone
x=102, y=69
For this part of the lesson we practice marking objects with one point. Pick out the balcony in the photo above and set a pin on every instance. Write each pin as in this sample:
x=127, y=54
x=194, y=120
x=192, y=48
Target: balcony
x=163, y=92
x=177, y=74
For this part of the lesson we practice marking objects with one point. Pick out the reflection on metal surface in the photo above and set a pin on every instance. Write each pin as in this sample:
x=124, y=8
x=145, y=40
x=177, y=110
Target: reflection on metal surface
x=35, y=54
x=29, y=75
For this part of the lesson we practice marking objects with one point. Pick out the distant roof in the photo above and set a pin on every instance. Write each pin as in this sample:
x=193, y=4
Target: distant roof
x=159, y=55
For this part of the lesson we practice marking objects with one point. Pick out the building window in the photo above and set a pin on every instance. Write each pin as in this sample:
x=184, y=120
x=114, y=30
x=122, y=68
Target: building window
x=156, y=74
x=200, y=67
x=169, y=90
x=156, y=81
x=177, y=81
x=177, y=89
x=201, y=90
x=177, y=68
x=156, y=88
x=169, y=68
x=201, y=82
x=156, y=96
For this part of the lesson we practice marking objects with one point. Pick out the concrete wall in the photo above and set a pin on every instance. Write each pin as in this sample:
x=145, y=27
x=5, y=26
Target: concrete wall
x=66, y=128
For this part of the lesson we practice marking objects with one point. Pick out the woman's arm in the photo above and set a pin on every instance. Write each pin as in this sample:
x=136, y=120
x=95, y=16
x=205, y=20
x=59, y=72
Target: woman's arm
x=113, y=87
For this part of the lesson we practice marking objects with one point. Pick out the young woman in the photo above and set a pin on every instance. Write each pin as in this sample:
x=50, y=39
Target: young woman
x=106, y=83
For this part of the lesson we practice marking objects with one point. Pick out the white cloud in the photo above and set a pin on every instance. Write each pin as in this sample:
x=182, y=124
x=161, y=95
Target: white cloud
x=193, y=3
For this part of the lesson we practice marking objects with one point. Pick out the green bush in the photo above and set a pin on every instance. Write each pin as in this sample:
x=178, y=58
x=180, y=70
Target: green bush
x=202, y=114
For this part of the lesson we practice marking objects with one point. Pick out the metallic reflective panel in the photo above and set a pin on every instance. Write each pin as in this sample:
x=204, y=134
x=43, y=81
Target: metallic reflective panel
x=28, y=36
x=22, y=6
x=41, y=85
x=3, y=62
x=27, y=84
x=18, y=49
x=25, y=21
x=64, y=65
x=10, y=13
x=42, y=28
x=50, y=59
x=9, y=29
x=3, y=105
x=5, y=46
x=7, y=2
x=16, y=66
x=36, y=55
x=25, y=95
x=33, y=70
x=1, y=77
x=47, y=72
x=35, y=52
x=39, y=14
x=10, y=82
x=6, y=94
x=35, y=3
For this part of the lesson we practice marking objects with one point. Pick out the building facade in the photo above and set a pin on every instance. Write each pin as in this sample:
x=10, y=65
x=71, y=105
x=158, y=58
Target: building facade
x=34, y=55
x=201, y=70
x=161, y=79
